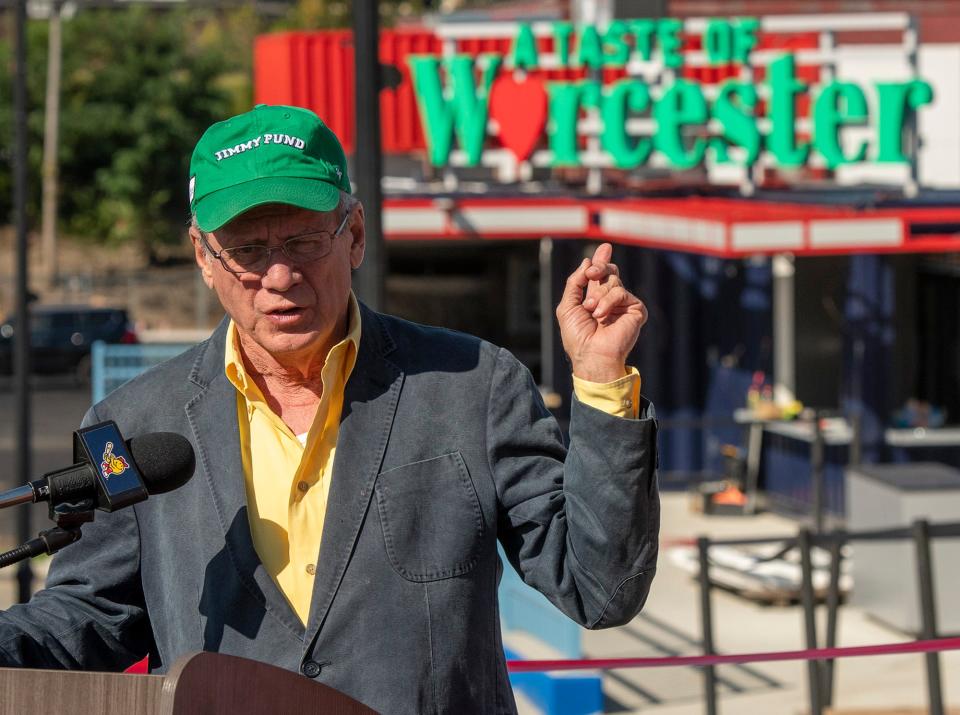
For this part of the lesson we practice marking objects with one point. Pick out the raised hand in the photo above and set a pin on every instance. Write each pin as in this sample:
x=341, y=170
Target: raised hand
x=599, y=319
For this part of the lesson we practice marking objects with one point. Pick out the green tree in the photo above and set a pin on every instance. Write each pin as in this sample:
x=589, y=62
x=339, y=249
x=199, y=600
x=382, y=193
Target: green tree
x=137, y=94
x=35, y=88
x=139, y=86
x=334, y=14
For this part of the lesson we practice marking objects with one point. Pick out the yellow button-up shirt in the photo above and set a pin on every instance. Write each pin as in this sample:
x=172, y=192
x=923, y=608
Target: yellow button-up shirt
x=288, y=476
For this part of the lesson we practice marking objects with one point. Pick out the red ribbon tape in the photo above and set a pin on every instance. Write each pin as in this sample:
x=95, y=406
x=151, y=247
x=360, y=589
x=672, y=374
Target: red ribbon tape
x=928, y=646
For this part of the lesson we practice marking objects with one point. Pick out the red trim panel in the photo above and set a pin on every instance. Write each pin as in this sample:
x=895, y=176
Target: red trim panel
x=726, y=228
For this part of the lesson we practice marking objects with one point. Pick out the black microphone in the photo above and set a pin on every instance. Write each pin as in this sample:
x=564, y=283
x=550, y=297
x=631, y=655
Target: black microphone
x=164, y=460
x=109, y=474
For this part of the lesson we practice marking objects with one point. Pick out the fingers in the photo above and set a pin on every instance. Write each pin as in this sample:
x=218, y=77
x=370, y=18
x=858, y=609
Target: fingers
x=616, y=298
x=573, y=290
x=600, y=279
x=603, y=275
x=607, y=278
x=620, y=301
x=600, y=265
x=603, y=254
x=600, y=274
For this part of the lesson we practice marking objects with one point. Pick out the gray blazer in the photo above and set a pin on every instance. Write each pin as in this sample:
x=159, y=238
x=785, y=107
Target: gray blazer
x=444, y=448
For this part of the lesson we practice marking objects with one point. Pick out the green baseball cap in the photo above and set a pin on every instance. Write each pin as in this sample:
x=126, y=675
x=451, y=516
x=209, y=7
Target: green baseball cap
x=269, y=155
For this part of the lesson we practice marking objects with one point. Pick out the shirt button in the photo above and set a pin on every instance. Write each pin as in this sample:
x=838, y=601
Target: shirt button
x=303, y=486
x=311, y=569
x=310, y=668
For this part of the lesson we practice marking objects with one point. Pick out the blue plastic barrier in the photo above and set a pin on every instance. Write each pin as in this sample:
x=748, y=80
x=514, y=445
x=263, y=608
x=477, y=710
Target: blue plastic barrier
x=524, y=609
x=113, y=365
x=562, y=693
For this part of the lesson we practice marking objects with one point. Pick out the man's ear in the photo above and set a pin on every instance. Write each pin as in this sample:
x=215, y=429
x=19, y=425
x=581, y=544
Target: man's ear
x=358, y=242
x=204, y=260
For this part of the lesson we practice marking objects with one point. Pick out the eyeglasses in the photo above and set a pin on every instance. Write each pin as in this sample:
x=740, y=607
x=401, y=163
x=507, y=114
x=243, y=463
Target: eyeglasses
x=255, y=258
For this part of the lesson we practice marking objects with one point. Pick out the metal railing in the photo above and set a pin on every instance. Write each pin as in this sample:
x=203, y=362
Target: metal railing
x=820, y=675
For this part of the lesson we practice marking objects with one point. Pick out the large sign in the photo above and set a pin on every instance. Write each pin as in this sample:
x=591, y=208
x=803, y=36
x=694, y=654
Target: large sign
x=631, y=83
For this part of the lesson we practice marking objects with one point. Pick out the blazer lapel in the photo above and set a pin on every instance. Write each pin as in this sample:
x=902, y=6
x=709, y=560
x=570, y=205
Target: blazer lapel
x=213, y=418
x=369, y=405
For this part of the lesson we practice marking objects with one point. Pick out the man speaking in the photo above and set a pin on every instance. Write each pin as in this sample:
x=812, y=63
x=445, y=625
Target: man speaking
x=354, y=471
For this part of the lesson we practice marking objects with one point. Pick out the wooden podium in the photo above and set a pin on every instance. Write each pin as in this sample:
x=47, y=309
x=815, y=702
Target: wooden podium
x=206, y=683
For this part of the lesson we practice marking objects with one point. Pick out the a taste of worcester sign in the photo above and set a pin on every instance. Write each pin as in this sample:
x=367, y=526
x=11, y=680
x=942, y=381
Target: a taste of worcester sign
x=459, y=94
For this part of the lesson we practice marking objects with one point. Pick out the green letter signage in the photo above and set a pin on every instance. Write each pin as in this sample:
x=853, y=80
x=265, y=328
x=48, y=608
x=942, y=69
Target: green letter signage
x=615, y=40
x=623, y=96
x=464, y=113
x=734, y=109
x=744, y=38
x=566, y=99
x=561, y=42
x=453, y=96
x=562, y=125
x=524, y=48
x=839, y=103
x=680, y=105
x=668, y=35
x=784, y=87
x=643, y=36
x=590, y=49
x=895, y=99
x=718, y=42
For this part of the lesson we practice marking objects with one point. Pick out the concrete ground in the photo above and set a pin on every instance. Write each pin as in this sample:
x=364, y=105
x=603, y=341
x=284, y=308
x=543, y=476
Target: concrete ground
x=670, y=625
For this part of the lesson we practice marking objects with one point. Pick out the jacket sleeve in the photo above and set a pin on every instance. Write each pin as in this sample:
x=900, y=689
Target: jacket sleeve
x=581, y=524
x=91, y=615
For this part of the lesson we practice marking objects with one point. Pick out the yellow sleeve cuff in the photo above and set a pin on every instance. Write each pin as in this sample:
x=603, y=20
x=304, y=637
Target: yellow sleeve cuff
x=620, y=398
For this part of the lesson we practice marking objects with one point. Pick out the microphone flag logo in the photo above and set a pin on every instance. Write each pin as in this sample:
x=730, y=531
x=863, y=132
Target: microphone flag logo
x=111, y=464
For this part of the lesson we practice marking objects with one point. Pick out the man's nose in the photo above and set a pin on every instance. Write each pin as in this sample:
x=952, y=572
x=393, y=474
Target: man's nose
x=281, y=273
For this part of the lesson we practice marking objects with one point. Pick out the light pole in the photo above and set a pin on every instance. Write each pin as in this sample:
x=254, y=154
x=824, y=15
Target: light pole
x=51, y=133
x=21, y=355
x=369, y=279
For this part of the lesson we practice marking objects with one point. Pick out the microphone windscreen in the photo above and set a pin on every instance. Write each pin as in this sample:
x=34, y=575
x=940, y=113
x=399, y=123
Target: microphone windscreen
x=165, y=459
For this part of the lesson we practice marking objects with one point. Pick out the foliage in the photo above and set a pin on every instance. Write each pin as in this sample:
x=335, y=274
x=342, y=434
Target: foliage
x=138, y=88
x=332, y=14
x=316, y=15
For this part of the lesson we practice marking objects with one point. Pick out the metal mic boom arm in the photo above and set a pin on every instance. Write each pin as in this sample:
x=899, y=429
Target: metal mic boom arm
x=49, y=542
x=68, y=515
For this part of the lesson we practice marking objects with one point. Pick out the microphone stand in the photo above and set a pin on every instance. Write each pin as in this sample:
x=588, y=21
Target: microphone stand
x=69, y=516
x=48, y=542
x=19, y=495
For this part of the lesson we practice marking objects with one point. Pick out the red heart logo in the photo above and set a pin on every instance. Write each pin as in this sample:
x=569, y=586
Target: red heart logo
x=520, y=108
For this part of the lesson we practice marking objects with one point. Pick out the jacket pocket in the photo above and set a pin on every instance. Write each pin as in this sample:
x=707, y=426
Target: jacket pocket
x=431, y=519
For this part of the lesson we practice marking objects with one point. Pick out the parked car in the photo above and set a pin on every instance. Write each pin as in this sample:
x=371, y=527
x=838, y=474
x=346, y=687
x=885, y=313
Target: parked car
x=61, y=337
